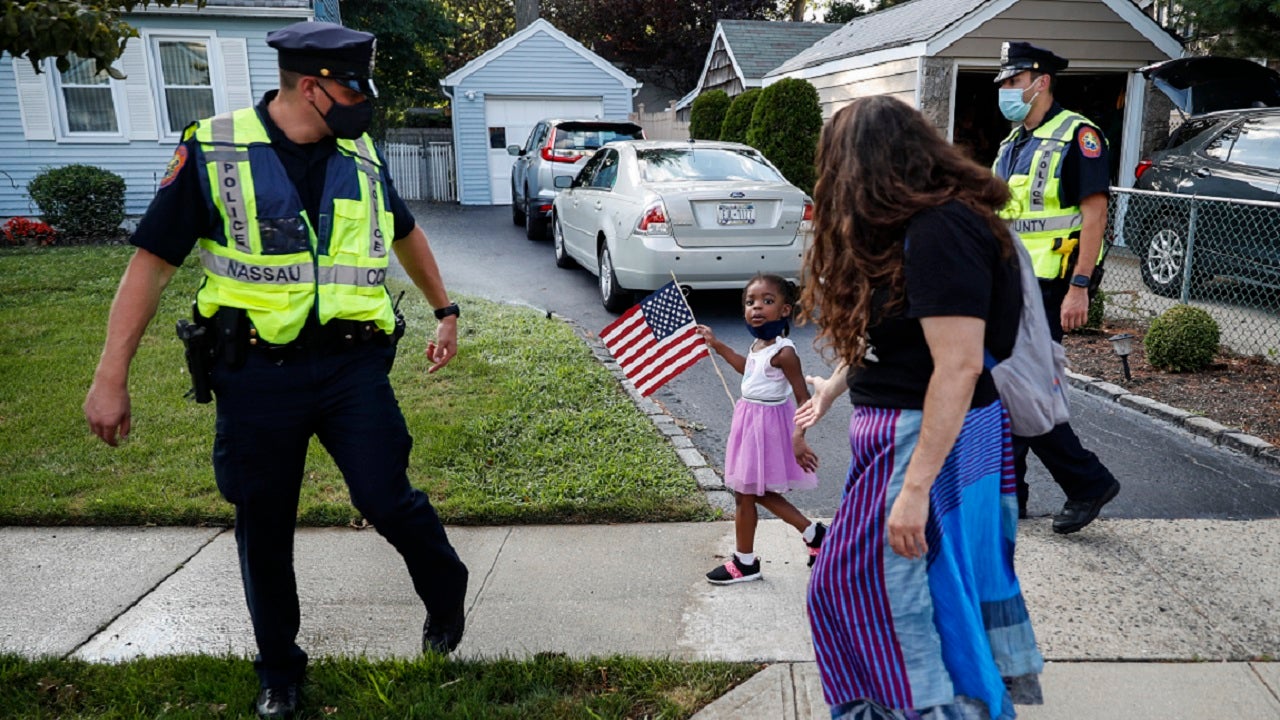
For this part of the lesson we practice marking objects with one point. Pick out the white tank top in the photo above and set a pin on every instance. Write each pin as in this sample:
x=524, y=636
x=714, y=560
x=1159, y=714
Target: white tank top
x=761, y=381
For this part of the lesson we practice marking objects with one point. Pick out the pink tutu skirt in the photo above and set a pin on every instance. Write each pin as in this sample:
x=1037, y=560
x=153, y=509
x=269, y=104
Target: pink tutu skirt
x=759, y=458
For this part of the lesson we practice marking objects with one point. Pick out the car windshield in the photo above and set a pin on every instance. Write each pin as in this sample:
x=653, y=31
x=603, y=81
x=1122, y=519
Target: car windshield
x=579, y=137
x=715, y=164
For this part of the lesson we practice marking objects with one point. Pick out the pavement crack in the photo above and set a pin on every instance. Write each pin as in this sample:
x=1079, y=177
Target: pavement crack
x=145, y=594
x=488, y=573
x=1253, y=668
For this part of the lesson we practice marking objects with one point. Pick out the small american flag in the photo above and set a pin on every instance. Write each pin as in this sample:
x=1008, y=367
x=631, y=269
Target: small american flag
x=655, y=340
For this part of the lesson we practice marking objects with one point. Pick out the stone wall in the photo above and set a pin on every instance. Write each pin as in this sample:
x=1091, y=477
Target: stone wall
x=935, y=92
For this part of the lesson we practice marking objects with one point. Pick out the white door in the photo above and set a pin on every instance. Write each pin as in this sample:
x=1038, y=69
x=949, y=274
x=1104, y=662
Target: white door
x=511, y=119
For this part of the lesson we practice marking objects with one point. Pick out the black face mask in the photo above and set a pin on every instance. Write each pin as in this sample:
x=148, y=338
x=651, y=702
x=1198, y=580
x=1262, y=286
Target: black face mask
x=346, y=121
x=770, y=330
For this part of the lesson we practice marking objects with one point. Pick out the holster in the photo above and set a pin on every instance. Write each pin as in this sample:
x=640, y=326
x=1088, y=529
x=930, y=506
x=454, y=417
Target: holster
x=198, y=347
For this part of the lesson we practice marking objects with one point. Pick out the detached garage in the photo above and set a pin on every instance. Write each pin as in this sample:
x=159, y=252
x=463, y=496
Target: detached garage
x=497, y=99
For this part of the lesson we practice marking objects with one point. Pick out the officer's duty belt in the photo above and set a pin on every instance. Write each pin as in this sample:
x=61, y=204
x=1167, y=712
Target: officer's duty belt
x=333, y=335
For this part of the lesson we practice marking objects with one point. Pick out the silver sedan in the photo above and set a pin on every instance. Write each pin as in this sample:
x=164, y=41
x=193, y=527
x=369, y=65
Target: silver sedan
x=712, y=213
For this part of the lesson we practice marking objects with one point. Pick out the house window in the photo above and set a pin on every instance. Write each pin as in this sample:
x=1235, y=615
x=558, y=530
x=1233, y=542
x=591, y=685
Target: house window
x=86, y=99
x=184, y=81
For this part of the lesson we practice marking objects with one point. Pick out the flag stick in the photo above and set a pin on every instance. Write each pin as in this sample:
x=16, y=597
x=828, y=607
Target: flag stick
x=710, y=353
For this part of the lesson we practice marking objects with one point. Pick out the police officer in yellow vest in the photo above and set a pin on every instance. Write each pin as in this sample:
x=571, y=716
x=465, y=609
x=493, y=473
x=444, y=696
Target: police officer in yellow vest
x=290, y=208
x=1055, y=162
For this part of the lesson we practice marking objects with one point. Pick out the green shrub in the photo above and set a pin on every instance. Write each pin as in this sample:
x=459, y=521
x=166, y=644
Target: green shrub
x=785, y=125
x=707, y=114
x=1097, y=310
x=1183, y=339
x=738, y=118
x=80, y=201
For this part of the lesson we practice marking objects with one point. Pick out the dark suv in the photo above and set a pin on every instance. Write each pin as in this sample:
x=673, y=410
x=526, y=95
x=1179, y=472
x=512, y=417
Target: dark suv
x=1232, y=154
x=555, y=147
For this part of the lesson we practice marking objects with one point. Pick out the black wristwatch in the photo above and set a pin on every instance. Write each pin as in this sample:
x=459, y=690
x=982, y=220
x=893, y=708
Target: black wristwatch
x=447, y=310
x=1080, y=281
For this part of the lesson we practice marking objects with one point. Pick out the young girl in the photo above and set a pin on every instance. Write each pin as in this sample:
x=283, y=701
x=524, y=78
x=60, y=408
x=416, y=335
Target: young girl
x=765, y=455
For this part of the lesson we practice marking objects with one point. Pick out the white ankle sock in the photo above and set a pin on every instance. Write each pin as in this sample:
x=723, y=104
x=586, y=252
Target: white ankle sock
x=746, y=558
x=810, y=532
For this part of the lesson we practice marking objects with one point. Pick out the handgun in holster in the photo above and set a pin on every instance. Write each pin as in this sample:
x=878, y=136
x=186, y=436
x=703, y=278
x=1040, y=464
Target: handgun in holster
x=198, y=346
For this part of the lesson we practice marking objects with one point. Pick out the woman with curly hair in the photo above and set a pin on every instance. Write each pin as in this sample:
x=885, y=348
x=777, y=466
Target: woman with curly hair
x=914, y=605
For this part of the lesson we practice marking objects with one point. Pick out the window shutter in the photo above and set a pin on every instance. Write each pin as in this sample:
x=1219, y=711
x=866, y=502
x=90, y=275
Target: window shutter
x=139, y=95
x=33, y=101
x=235, y=73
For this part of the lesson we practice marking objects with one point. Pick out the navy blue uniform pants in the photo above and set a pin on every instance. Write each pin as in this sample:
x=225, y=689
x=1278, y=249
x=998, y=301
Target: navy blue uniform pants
x=1076, y=470
x=268, y=411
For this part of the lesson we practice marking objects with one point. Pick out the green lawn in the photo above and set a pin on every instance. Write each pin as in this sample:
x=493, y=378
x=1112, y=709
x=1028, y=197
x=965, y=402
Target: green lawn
x=549, y=687
x=524, y=426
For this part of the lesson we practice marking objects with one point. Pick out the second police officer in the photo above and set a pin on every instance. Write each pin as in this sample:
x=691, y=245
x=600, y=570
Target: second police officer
x=1056, y=164
x=290, y=208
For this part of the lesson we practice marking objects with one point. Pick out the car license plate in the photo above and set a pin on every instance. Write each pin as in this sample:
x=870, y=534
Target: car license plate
x=737, y=213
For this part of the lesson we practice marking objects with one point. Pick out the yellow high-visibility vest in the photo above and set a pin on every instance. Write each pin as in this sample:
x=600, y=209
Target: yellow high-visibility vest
x=266, y=258
x=1050, y=231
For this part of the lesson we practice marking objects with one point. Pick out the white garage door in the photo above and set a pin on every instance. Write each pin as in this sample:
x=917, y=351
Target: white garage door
x=511, y=119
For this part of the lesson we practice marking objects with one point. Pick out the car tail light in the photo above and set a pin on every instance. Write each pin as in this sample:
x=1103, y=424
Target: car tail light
x=806, y=220
x=1143, y=166
x=653, y=221
x=551, y=154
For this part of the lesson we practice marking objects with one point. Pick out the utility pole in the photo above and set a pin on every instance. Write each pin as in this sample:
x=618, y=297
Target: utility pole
x=526, y=12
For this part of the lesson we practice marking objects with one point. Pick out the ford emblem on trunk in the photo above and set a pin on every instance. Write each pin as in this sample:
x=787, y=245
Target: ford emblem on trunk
x=737, y=194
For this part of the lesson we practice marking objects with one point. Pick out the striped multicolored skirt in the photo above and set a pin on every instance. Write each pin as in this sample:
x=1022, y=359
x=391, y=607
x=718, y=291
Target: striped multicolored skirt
x=945, y=637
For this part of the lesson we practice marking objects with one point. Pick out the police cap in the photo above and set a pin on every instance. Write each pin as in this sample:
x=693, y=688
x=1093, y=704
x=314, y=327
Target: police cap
x=1016, y=57
x=326, y=50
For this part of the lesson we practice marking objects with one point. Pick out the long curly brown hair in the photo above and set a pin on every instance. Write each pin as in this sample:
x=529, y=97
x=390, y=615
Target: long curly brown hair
x=879, y=163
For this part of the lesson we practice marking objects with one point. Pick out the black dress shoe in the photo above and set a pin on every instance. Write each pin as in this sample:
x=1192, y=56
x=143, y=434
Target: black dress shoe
x=442, y=634
x=277, y=702
x=1076, y=514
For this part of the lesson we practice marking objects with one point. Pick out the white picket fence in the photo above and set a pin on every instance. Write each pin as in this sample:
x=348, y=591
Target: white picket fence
x=422, y=173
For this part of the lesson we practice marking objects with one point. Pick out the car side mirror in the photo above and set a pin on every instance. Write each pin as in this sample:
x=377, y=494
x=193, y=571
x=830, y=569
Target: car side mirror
x=515, y=150
x=563, y=181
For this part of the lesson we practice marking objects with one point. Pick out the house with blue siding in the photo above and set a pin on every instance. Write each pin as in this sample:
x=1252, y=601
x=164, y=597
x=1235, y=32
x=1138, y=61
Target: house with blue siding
x=497, y=98
x=187, y=64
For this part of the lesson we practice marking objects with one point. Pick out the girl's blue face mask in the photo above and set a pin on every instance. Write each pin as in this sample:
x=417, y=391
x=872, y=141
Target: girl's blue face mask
x=770, y=329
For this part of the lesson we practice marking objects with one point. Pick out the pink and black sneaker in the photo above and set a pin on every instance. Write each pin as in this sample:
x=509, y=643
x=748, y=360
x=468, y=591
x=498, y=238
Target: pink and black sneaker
x=734, y=571
x=818, y=533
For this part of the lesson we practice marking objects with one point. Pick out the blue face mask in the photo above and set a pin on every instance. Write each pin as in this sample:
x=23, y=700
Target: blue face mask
x=769, y=330
x=1012, y=106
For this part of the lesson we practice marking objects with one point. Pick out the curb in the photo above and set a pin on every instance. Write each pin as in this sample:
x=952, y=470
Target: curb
x=1216, y=433
x=709, y=481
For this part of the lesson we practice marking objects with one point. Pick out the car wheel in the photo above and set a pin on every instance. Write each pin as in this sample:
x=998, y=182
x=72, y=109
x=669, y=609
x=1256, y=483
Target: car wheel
x=614, y=298
x=534, y=229
x=563, y=260
x=517, y=209
x=1164, y=258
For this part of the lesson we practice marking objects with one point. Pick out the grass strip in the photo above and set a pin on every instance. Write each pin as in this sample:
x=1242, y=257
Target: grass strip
x=524, y=426
x=549, y=686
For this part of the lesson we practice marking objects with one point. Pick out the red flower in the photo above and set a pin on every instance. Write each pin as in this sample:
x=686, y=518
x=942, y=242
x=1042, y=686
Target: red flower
x=24, y=231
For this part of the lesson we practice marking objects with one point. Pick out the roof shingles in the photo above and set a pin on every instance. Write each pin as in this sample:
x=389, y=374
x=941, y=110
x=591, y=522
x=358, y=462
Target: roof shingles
x=760, y=46
x=909, y=22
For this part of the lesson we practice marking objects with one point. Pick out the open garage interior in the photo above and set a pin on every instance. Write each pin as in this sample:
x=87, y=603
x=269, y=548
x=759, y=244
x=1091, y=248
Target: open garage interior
x=979, y=127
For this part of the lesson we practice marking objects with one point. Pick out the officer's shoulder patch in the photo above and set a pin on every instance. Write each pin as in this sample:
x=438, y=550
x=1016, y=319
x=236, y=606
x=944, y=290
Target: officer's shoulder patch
x=1090, y=142
x=175, y=166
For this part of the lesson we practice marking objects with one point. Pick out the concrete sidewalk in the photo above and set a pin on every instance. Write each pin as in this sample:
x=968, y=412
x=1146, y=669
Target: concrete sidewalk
x=1139, y=618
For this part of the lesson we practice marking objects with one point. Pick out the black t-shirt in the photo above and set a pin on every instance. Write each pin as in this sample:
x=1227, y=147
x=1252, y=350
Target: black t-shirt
x=952, y=267
x=179, y=214
x=1086, y=169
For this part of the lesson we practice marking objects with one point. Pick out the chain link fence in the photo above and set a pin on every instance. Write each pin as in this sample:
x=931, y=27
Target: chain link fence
x=1217, y=254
